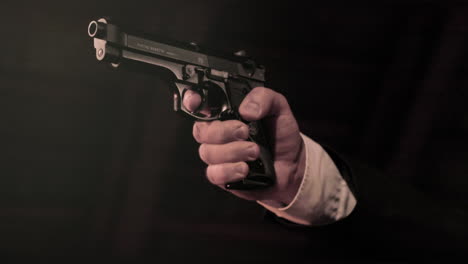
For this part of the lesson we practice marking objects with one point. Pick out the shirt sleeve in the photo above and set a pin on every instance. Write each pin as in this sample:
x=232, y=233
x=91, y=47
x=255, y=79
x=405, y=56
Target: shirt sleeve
x=323, y=196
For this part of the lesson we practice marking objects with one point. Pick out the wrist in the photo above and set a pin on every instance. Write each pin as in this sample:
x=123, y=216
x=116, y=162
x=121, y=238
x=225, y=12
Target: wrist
x=296, y=176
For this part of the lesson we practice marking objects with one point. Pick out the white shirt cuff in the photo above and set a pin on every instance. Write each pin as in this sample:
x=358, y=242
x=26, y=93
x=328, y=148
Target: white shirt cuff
x=323, y=196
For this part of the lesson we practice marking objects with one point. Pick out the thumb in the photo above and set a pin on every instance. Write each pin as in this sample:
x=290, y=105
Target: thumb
x=263, y=102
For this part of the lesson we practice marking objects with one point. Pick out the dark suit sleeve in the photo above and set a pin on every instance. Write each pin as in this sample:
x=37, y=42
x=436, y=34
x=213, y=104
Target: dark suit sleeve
x=391, y=218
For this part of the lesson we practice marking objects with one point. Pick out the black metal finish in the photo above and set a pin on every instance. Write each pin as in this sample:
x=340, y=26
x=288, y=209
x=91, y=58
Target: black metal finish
x=222, y=82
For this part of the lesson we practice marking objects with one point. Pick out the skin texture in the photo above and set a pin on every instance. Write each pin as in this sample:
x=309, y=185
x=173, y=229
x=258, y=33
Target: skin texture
x=224, y=147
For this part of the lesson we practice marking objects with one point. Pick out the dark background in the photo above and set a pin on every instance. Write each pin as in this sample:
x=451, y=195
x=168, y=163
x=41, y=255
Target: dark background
x=93, y=162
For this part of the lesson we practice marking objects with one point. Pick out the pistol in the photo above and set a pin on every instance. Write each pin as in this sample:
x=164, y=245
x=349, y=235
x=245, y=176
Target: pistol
x=221, y=81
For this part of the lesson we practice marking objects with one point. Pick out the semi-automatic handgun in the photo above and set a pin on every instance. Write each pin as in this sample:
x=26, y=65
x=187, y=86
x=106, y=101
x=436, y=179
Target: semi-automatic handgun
x=221, y=81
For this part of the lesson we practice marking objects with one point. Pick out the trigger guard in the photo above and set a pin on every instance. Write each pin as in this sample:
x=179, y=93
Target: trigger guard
x=202, y=96
x=214, y=99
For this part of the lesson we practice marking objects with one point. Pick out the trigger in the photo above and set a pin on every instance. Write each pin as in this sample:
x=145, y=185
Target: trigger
x=229, y=114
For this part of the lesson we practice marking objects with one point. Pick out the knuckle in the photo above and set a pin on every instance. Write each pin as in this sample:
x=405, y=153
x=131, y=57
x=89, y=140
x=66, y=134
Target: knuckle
x=260, y=96
x=220, y=174
x=215, y=174
x=262, y=92
x=224, y=135
x=213, y=132
x=209, y=174
x=201, y=131
x=241, y=151
x=228, y=130
x=234, y=151
x=282, y=100
x=281, y=97
x=223, y=131
x=253, y=151
x=256, y=93
x=203, y=153
x=216, y=132
x=260, y=89
x=240, y=132
x=243, y=168
x=196, y=133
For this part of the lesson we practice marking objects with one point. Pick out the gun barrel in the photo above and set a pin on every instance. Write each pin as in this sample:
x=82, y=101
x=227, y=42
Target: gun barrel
x=112, y=44
x=97, y=29
x=92, y=28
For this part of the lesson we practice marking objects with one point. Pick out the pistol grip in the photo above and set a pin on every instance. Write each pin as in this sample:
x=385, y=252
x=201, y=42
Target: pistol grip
x=261, y=171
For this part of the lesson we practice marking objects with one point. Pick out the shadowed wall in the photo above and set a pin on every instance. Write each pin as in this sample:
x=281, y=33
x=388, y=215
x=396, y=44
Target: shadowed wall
x=94, y=161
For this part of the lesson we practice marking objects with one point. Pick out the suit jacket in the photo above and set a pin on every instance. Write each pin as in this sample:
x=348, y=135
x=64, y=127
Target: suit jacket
x=386, y=91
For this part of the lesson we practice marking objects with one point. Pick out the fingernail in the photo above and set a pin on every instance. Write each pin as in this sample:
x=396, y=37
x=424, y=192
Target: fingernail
x=241, y=169
x=241, y=133
x=253, y=108
x=252, y=152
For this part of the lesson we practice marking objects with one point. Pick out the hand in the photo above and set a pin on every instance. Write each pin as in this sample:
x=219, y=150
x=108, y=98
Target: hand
x=224, y=149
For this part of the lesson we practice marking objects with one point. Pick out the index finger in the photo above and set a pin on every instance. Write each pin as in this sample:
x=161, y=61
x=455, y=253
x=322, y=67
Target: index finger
x=191, y=100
